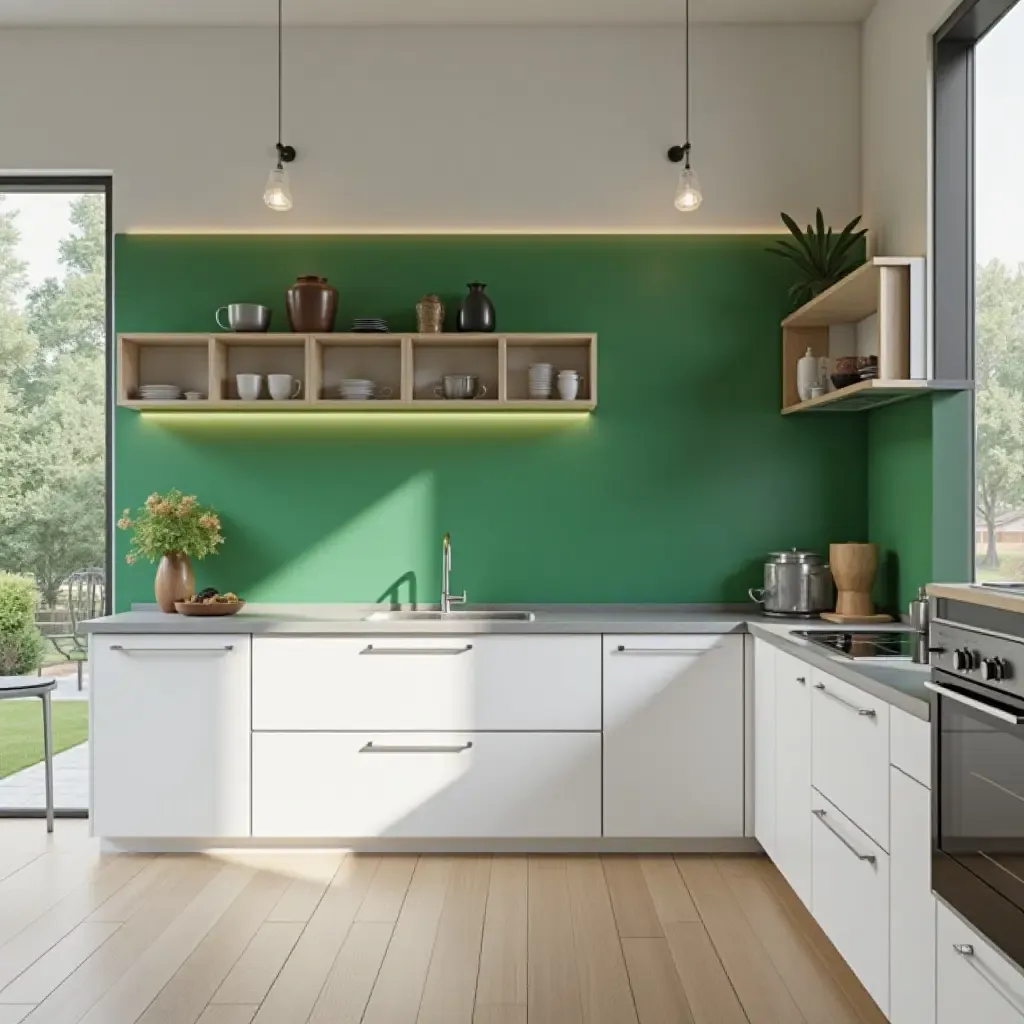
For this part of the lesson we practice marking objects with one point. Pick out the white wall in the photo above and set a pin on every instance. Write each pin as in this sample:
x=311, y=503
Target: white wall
x=443, y=129
x=896, y=111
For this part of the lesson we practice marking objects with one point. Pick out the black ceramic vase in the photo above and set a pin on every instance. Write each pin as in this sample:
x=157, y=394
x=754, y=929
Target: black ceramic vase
x=476, y=313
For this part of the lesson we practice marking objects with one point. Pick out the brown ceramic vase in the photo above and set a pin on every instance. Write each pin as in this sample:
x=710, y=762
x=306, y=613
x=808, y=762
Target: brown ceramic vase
x=174, y=580
x=312, y=305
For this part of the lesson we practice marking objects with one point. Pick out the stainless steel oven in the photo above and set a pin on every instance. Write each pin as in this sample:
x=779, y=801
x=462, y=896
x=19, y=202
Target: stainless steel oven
x=978, y=778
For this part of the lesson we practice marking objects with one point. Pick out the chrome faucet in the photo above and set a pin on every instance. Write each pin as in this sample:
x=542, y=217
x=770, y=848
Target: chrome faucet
x=447, y=598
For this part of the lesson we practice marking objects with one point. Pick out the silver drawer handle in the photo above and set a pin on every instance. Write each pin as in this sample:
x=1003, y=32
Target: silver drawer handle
x=172, y=650
x=661, y=650
x=863, y=712
x=370, y=649
x=414, y=749
x=966, y=951
x=869, y=857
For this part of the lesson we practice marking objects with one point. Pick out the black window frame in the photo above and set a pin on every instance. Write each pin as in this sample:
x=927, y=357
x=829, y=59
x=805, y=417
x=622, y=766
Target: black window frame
x=953, y=269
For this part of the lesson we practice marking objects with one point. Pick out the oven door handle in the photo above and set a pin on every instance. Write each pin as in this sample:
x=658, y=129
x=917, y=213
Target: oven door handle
x=978, y=705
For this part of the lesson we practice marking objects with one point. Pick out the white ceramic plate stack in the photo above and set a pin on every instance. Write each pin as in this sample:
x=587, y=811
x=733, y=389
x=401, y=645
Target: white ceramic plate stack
x=370, y=325
x=357, y=390
x=159, y=392
x=541, y=376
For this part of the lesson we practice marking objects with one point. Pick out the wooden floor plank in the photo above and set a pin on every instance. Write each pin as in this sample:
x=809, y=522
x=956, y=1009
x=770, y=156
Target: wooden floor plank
x=294, y=994
x=605, y=993
x=867, y=1009
x=312, y=874
x=819, y=998
x=127, y=900
x=500, y=1015
x=50, y=970
x=257, y=968
x=502, y=979
x=183, y=999
x=45, y=932
x=631, y=899
x=672, y=901
x=127, y=999
x=449, y=992
x=225, y=1014
x=708, y=990
x=14, y=1014
x=399, y=989
x=89, y=984
x=344, y=997
x=553, y=980
x=657, y=987
x=764, y=995
x=387, y=891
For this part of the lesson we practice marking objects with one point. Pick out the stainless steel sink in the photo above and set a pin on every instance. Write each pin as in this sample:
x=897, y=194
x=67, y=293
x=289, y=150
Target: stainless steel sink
x=460, y=616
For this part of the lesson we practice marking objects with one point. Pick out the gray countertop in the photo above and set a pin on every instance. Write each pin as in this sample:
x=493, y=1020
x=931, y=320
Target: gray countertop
x=899, y=683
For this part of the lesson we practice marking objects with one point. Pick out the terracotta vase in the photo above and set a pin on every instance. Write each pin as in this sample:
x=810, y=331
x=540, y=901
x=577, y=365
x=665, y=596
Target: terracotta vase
x=174, y=580
x=312, y=305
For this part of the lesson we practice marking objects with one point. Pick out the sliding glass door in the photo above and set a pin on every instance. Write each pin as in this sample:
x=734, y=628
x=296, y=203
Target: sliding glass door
x=54, y=455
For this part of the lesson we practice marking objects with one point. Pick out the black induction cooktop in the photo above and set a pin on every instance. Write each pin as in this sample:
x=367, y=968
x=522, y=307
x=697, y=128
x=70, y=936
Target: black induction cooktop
x=866, y=645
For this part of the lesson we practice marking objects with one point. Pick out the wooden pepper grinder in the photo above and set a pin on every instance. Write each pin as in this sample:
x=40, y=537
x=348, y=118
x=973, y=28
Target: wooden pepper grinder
x=854, y=567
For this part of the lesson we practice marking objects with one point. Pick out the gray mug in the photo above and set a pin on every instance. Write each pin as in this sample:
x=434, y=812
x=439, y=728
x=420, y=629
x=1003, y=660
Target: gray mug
x=244, y=316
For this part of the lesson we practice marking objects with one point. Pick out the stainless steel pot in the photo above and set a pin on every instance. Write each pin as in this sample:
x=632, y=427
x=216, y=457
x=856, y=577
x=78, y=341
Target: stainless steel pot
x=796, y=583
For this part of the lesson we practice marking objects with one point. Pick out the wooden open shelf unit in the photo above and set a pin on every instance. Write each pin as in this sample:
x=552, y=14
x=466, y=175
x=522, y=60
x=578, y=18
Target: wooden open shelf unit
x=878, y=310
x=407, y=369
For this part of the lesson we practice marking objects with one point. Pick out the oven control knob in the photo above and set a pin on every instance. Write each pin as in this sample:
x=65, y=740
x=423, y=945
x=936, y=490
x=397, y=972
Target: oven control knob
x=961, y=660
x=993, y=669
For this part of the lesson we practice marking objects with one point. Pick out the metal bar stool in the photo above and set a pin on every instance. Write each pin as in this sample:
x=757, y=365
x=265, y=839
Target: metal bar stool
x=13, y=687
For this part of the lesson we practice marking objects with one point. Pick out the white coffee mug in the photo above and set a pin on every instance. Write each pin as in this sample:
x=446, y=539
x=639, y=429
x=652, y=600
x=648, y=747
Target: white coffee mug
x=568, y=387
x=283, y=386
x=249, y=386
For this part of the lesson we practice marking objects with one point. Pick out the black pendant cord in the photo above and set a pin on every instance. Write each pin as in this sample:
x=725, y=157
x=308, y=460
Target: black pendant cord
x=285, y=154
x=687, y=46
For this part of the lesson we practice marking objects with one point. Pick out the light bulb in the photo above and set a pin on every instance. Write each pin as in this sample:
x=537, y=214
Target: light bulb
x=688, y=194
x=277, y=195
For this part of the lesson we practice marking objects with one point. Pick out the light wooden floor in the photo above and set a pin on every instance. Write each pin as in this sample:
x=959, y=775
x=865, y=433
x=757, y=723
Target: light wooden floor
x=332, y=939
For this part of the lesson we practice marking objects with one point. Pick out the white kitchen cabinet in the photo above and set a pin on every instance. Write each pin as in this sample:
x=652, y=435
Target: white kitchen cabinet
x=793, y=773
x=975, y=983
x=437, y=683
x=438, y=785
x=850, y=895
x=912, y=905
x=764, y=746
x=673, y=736
x=910, y=746
x=850, y=753
x=170, y=735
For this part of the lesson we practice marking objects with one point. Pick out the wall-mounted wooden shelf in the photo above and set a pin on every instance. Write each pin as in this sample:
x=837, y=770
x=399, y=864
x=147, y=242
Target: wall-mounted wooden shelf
x=876, y=311
x=871, y=394
x=407, y=368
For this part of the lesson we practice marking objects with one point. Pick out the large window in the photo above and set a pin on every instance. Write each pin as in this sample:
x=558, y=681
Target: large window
x=54, y=551
x=978, y=261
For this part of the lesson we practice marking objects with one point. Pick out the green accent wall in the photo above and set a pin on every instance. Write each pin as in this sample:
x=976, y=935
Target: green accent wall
x=673, y=490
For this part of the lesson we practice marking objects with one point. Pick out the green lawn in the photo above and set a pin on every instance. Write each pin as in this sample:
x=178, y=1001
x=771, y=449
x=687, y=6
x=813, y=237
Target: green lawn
x=21, y=730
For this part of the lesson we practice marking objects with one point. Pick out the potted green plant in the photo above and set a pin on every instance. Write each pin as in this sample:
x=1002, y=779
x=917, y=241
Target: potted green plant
x=822, y=257
x=175, y=528
x=21, y=644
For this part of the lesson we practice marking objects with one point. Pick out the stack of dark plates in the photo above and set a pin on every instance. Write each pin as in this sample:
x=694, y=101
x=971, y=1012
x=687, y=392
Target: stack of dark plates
x=370, y=325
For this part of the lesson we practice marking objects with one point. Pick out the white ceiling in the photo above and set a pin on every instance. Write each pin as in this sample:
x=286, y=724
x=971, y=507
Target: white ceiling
x=423, y=12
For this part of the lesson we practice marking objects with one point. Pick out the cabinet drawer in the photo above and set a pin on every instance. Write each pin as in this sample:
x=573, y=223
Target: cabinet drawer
x=673, y=736
x=850, y=759
x=170, y=736
x=850, y=895
x=427, y=683
x=910, y=742
x=445, y=785
x=974, y=983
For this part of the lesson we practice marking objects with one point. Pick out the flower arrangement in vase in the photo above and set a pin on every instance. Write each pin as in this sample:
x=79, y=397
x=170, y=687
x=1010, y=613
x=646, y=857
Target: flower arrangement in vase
x=173, y=528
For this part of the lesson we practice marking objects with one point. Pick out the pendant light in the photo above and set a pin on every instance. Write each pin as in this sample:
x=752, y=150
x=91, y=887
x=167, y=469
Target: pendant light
x=277, y=195
x=688, y=194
